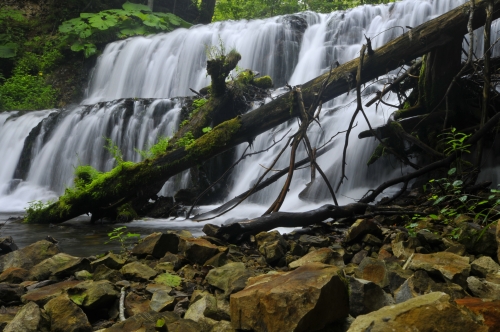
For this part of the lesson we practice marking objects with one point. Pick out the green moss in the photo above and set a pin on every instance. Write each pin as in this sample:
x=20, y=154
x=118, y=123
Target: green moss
x=264, y=82
x=217, y=137
x=126, y=213
x=77, y=298
x=379, y=152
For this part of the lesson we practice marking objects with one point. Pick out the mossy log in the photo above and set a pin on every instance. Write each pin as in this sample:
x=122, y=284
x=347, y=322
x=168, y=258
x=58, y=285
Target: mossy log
x=130, y=181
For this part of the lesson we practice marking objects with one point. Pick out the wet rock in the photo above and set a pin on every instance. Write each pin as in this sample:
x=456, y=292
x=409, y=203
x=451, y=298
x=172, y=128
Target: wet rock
x=64, y=314
x=29, y=256
x=305, y=299
x=430, y=312
x=10, y=293
x=420, y=283
x=483, y=266
x=360, y=228
x=373, y=270
x=359, y=256
x=199, y=309
x=147, y=322
x=197, y=250
x=162, y=301
x=366, y=296
x=177, y=261
x=7, y=245
x=111, y=261
x=14, y=275
x=83, y=275
x=60, y=265
x=28, y=319
x=229, y=278
x=102, y=272
x=482, y=288
x=489, y=310
x=137, y=271
x=135, y=304
x=157, y=245
x=271, y=245
x=44, y=294
x=314, y=241
x=93, y=294
x=323, y=255
x=372, y=240
x=426, y=237
x=218, y=260
x=450, y=266
x=210, y=229
x=397, y=275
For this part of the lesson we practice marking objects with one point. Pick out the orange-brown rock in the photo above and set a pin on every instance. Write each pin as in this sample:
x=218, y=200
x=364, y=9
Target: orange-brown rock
x=490, y=310
x=452, y=267
x=305, y=299
x=197, y=250
x=14, y=275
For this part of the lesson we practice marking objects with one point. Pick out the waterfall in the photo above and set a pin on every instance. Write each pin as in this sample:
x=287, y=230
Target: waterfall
x=41, y=149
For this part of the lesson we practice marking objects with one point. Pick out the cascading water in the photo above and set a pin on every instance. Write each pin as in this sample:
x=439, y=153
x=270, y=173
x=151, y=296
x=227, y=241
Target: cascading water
x=291, y=49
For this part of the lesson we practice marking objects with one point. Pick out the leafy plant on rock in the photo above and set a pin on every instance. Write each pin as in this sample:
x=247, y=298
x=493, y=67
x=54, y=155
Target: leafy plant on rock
x=134, y=19
x=118, y=235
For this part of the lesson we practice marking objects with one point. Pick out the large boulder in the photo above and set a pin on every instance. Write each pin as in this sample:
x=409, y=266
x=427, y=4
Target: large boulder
x=60, y=265
x=450, y=266
x=29, y=256
x=14, y=275
x=198, y=311
x=29, y=319
x=229, y=278
x=65, y=315
x=7, y=245
x=483, y=266
x=430, y=312
x=44, y=294
x=490, y=310
x=305, y=299
x=157, y=245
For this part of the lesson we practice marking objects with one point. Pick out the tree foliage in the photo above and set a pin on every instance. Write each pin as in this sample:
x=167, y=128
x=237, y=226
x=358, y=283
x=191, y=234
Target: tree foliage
x=236, y=10
x=134, y=19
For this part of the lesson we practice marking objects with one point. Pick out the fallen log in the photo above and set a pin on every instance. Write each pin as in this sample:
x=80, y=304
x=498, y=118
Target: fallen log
x=129, y=180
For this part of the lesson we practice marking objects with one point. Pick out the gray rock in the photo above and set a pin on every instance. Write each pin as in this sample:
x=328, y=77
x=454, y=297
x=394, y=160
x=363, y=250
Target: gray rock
x=28, y=319
x=197, y=250
x=429, y=238
x=111, y=261
x=483, y=266
x=7, y=245
x=60, y=265
x=102, y=272
x=29, y=256
x=314, y=241
x=360, y=228
x=162, y=301
x=229, y=278
x=157, y=245
x=137, y=271
x=323, y=255
x=483, y=288
x=271, y=245
x=366, y=296
x=372, y=240
x=359, y=256
x=93, y=294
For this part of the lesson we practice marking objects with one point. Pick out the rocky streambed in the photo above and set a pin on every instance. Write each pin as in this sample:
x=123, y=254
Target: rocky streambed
x=376, y=276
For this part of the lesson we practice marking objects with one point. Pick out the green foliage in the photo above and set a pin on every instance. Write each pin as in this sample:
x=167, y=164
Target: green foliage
x=34, y=207
x=186, y=140
x=455, y=142
x=84, y=175
x=206, y=130
x=236, y=10
x=118, y=235
x=197, y=103
x=8, y=44
x=155, y=150
x=114, y=150
x=134, y=19
x=168, y=279
x=26, y=92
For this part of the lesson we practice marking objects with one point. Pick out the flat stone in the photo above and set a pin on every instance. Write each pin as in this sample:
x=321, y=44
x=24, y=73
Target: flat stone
x=271, y=245
x=174, y=259
x=489, y=310
x=197, y=309
x=218, y=260
x=137, y=271
x=373, y=270
x=14, y=275
x=323, y=255
x=359, y=256
x=28, y=319
x=426, y=237
x=482, y=288
x=366, y=296
x=64, y=314
x=157, y=245
x=452, y=267
x=147, y=322
x=483, y=266
x=420, y=283
x=136, y=304
x=229, y=278
x=197, y=250
x=372, y=240
x=314, y=241
x=44, y=294
x=10, y=293
x=430, y=312
x=111, y=261
x=83, y=275
x=93, y=294
x=102, y=272
x=60, y=265
x=29, y=256
x=360, y=228
x=305, y=299
x=162, y=301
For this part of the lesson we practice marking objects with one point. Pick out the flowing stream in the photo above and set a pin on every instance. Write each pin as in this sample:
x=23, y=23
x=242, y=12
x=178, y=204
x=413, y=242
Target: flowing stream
x=40, y=149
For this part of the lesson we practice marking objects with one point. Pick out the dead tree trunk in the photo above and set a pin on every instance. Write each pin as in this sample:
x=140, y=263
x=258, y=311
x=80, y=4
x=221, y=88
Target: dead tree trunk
x=130, y=181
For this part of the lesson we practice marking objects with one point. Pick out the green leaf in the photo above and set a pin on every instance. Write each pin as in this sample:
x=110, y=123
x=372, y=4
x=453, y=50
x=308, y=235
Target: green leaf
x=8, y=50
x=439, y=200
x=140, y=30
x=463, y=198
x=77, y=47
x=103, y=23
x=457, y=183
x=85, y=33
x=452, y=171
x=88, y=15
x=135, y=6
x=152, y=21
x=433, y=216
x=168, y=279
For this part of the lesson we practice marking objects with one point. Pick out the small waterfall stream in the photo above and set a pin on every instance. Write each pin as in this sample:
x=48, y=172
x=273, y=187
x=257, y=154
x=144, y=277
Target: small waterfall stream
x=40, y=149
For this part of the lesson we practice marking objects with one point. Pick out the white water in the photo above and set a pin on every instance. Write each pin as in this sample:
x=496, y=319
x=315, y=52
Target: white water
x=167, y=65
